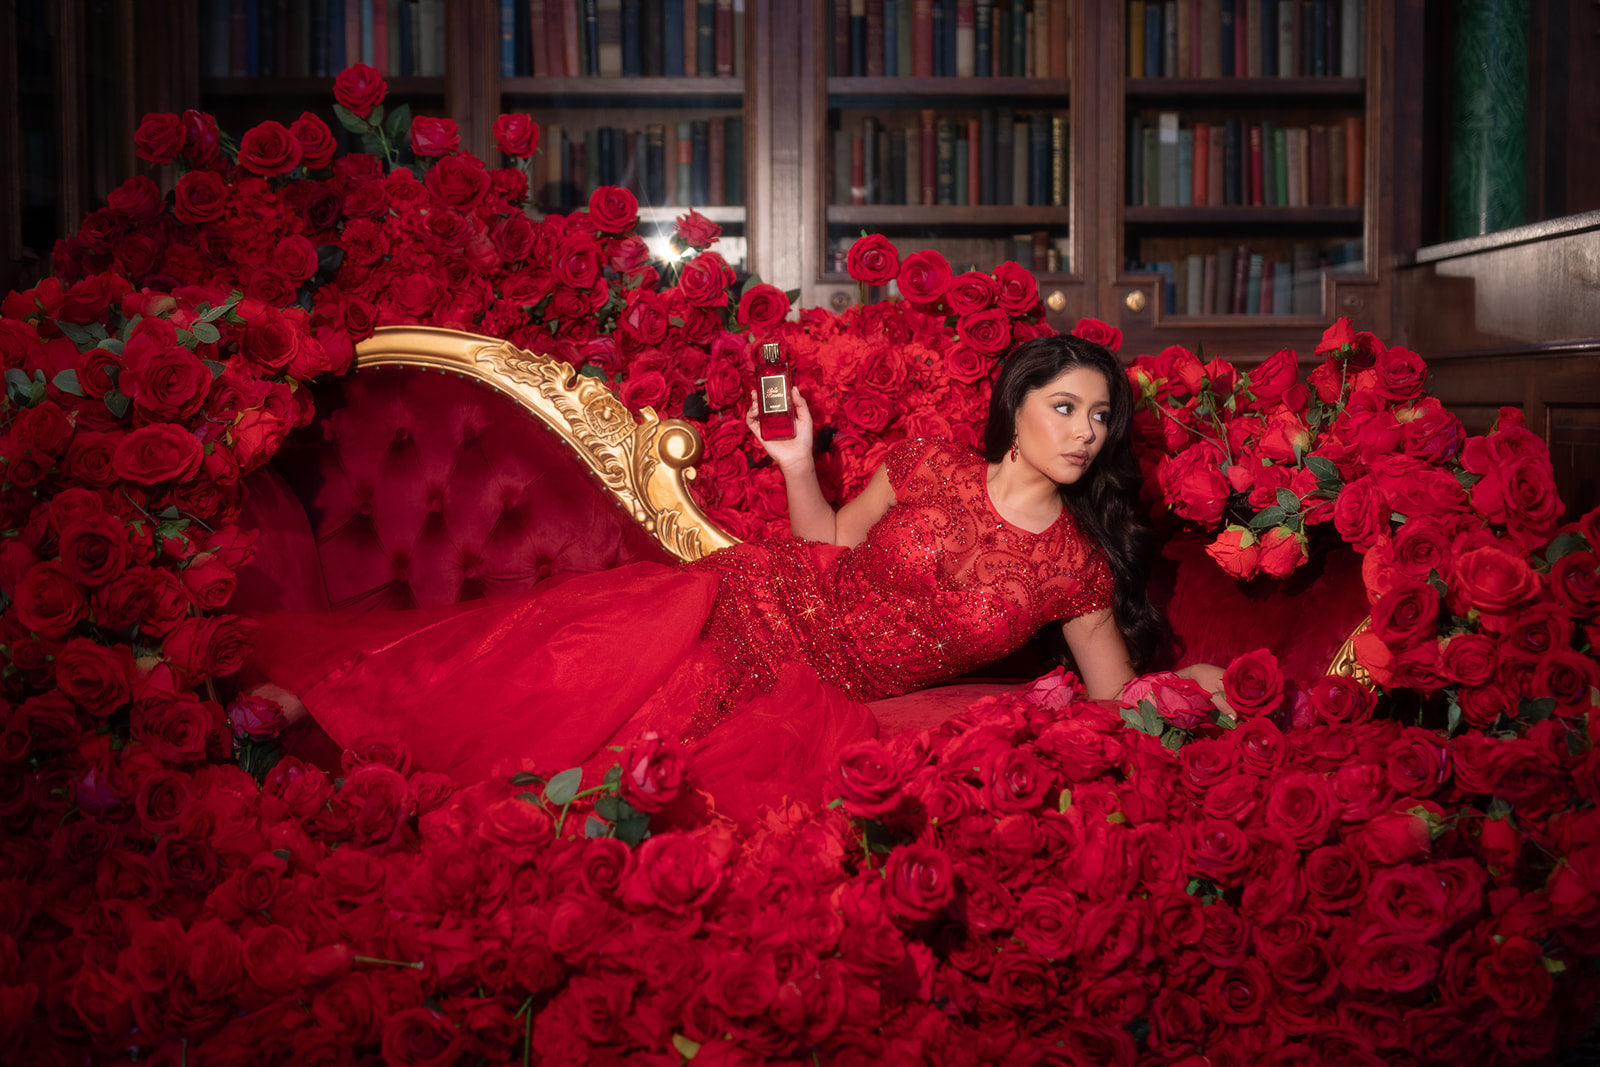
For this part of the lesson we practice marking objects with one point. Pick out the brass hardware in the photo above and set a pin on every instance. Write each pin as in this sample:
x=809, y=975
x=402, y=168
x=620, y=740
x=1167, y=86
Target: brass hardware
x=839, y=300
x=1134, y=301
x=1056, y=301
x=1344, y=660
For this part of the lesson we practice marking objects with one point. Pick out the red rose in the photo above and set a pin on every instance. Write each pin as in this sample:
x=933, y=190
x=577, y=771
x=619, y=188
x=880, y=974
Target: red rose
x=1335, y=338
x=1434, y=435
x=1253, y=684
x=695, y=230
x=421, y=1037
x=1237, y=551
x=986, y=331
x=317, y=146
x=649, y=389
x=1361, y=514
x=201, y=139
x=518, y=135
x=269, y=149
x=1303, y=806
x=1567, y=676
x=673, y=872
x=1491, y=579
x=201, y=197
x=1019, y=290
x=1389, y=963
x=434, y=137
x=1282, y=550
x=705, y=280
x=157, y=453
x=869, y=779
x=576, y=262
x=1515, y=976
x=94, y=549
x=868, y=408
x=653, y=770
x=1336, y=878
x=1014, y=780
x=1218, y=850
x=168, y=383
x=374, y=803
x=613, y=210
x=1099, y=332
x=873, y=260
x=137, y=199
x=1407, y=615
x=971, y=292
x=1274, y=376
x=48, y=601
x=1192, y=483
x=160, y=137
x=1182, y=702
x=1341, y=700
x=97, y=678
x=919, y=880
x=763, y=307
x=175, y=731
x=359, y=88
x=1575, y=582
x=1401, y=374
x=924, y=277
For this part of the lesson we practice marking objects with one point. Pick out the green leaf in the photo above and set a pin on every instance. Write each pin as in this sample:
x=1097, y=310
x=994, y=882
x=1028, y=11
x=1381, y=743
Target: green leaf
x=613, y=776
x=685, y=1047
x=1324, y=468
x=593, y=827
x=1397, y=518
x=114, y=346
x=1132, y=718
x=531, y=798
x=398, y=125
x=116, y=402
x=1453, y=725
x=1174, y=739
x=1288, y=501
x=564, y=786
x=607, y=806
x=206, y=333
x=589, y=370
x=371, y=144
x=1267, y=518
x=1498, y=809
x=77, y=334
x=525, y=778
x=1536, y=710
x=67, y=382
x=1438, y=584
x=793, y=295
x=1565, y=545
x=283, y=854
x=750, y=283
x=350, y=120
x=1222, y=720
x=632, y=831
x=1150, y=719
x=217, y=369
x=187, y=339
x=170, y=512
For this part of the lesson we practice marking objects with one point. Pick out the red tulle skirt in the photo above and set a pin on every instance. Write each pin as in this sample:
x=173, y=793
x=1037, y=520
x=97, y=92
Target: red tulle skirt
x=553, y=678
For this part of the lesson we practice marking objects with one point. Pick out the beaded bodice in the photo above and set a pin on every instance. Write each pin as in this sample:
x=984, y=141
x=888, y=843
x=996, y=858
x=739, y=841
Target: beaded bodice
x=941, y=585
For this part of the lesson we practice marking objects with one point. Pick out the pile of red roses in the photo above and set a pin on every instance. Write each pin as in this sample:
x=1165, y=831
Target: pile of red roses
x=1041, y=878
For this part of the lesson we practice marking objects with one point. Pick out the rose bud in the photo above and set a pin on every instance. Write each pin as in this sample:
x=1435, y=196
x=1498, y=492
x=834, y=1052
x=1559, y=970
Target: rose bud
x=652, y=771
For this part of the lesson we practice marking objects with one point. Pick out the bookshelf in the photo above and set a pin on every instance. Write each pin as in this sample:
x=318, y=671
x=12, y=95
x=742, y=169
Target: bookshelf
x=964, y=141
x=1247, y=137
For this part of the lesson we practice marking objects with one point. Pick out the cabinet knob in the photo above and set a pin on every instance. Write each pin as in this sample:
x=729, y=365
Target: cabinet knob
x=839, y=300
x=1134, y=301
x=1056, y=301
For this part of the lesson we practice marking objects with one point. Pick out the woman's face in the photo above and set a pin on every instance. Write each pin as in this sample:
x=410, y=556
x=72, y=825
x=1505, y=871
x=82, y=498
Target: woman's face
x=1061, y=426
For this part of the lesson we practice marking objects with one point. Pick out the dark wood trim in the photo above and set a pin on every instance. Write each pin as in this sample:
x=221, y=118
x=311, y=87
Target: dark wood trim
x=319, y=87
x=1236, y=216
x=1322, y=91
x=622, y=92
x=947, y=215
x=1517, y=235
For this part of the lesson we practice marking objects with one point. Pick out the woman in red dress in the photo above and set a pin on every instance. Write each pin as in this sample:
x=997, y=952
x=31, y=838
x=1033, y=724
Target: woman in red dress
x=760, y=658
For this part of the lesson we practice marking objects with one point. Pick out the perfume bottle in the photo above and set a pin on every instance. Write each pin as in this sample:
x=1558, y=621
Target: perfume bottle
x=777, y=381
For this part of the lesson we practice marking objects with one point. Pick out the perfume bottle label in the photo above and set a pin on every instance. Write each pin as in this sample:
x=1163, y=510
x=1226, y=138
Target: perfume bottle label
x=774, y=395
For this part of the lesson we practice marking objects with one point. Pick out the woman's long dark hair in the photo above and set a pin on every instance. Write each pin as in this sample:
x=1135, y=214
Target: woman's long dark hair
x=1104, y=502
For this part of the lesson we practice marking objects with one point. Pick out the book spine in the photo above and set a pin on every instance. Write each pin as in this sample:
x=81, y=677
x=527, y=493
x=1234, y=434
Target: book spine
x=705, y=41
x=840, y=53
x=738, y=39
x=1241, y=280
x=1257, y=189
x=1288, y=14
x=895, y=181
x=655, y=152
x=632, y=39
x=1317, y=166
x=508, y=38
x=1227, y=37
x=685, y=169
x=1225, y=277
x=691, y=37
x=1252, y=32
x=1040, y=41
x=1210, y=38
x=608, y=20
x=872, y=60
x=1252, y=300
x=671, y=39
x=1267, y=32
x=1200, y=176
x=1351, y=36
x=1286, y=167
x=1004, y=132
x=1241, y=39
x=700, y=161
x=1152, y=165
x=963, y=174
x=1319, y=39
x=988, y=174
x=1169, y=39
x=947, y=162
x=858, y=168
x=914, y=165
x=1019, y=39
x=921, y=38
x=1194, y=283
x=1336, y=193
x=1181, y=33
x=966, y=39
x=1208, y=285
x=1136, y=39
x=891, y=38
x=974, y=168
x=905, y=39
x=716, y=162
x=1019, y=162
x=1268, y=276
x=1185, y=168
x=1153, y=35
x=1167, y=160
x=1234, y=177
x=1060, y=162
x=652, y=56
x=930, y=157
x=869, y=158
x=1038, y=160
x=951, y=21
x=1216, y=179
x=942, y=61
x=1269, y=165
x=983, y=38
x=723, y=48
x=1355, y=150
x=1333, y=38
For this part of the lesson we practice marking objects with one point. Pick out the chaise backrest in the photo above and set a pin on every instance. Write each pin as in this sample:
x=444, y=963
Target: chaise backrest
x=451, y=466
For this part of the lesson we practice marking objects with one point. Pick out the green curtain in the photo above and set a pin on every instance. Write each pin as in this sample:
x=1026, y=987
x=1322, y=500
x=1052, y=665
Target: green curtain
x=1487, y=177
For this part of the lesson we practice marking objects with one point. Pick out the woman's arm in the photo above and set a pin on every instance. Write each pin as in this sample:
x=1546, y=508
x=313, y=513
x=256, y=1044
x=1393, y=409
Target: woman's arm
x=1098, y=649
x=811, y=517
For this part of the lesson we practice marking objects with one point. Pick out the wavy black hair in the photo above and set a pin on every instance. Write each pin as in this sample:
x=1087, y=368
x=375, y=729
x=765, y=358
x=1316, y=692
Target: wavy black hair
x=1104, y=502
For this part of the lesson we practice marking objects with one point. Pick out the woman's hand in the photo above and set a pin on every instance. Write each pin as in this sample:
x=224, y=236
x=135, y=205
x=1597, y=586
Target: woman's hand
x=792, y=454
x=1209, y=676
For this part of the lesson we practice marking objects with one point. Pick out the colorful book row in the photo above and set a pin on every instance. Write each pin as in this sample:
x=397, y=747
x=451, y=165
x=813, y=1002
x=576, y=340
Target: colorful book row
x=1236, y=280
x=621, y=38
x=698, y=163
x=950, y=38
x=1245, y=163
x=319, y=38
x=1246, y=38
x=995, y=158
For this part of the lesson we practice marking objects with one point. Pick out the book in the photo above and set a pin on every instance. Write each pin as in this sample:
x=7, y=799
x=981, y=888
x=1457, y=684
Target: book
x=1336, y=194
x=1039, y=58
x=1004, y=149
x=869, y=160
x=842, y=164
x=930, y=157
x=1216, y=180
x=1235, y=173
x=943, y=61
x=1254, y=267
x=905, y=39
x=946, y=163
x=1306, y=295
x=1194, y=284
x=1181, y=33
x=1241, y=281
x=1134, y=196
x=608, y=38
x=1241, y=39
x=921, y=38
x=1317, y=165
x=839, y=55
x=1167, y=159
x=988, y=172
x=1153, y=36
x=1224, y=302
x=1267, y=32
x=684, y=173
x=1020, y=150
x=717, y=162
x=652, y=60
x=858, y=167
x=1200, y=172
x=1169, y=39
x=1257, y=189
x=700, y=162
x=1060, y=162
x=871, y=41
x=974, y=182
x=691, y=35
x=1039, y=159
x=705, y=39
x=671, y=39
x=723, y=32
x=965, y=39
x=655, y=168
x=1210, y=38
x=1020, y=68
x=1354, y=161
x=1352, y=38
x=1265, y=301
x=1227, y=38
x=1151, y=167
x=1185, y=168
x=891, y=38
x=1060, y=39
x=913, y=190
x=963, y=161
x=1208, y=285
x=1288, y=52
x=1136, y=39
x=1272, y=195
x=1252, y=34
x=895, y=185
x=983, y=38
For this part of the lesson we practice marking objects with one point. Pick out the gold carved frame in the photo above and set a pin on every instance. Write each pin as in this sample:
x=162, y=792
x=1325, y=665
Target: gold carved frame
x=647, y=464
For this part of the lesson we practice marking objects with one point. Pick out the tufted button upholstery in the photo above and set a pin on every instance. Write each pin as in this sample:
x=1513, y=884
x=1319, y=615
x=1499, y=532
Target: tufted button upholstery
x=422, y=489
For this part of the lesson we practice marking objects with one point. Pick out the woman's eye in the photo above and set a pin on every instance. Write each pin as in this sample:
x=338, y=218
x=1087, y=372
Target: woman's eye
x=1100, y=416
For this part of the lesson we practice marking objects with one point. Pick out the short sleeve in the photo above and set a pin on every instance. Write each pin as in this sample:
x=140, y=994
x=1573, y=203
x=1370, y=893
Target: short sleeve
x=904, y=459
x=1098, y=585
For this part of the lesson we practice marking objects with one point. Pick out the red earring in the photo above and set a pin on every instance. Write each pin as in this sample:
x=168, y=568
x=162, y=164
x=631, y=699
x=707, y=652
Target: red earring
x=1013, y=449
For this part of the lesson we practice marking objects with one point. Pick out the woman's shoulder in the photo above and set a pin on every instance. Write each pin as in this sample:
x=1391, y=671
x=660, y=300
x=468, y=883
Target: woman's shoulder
x=939, y=455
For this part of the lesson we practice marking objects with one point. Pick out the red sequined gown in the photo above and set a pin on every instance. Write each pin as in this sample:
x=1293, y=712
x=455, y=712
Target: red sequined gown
x=759, y=657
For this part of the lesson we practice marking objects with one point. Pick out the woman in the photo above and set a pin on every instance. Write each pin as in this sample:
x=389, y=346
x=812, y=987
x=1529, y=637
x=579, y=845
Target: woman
x=760, y=657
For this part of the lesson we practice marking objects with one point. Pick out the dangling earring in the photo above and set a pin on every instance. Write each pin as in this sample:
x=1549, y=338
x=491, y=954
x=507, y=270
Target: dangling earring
x=1013, y=448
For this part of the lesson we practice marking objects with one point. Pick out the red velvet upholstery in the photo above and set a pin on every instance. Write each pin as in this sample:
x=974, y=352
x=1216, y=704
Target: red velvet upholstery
x=423, y=488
